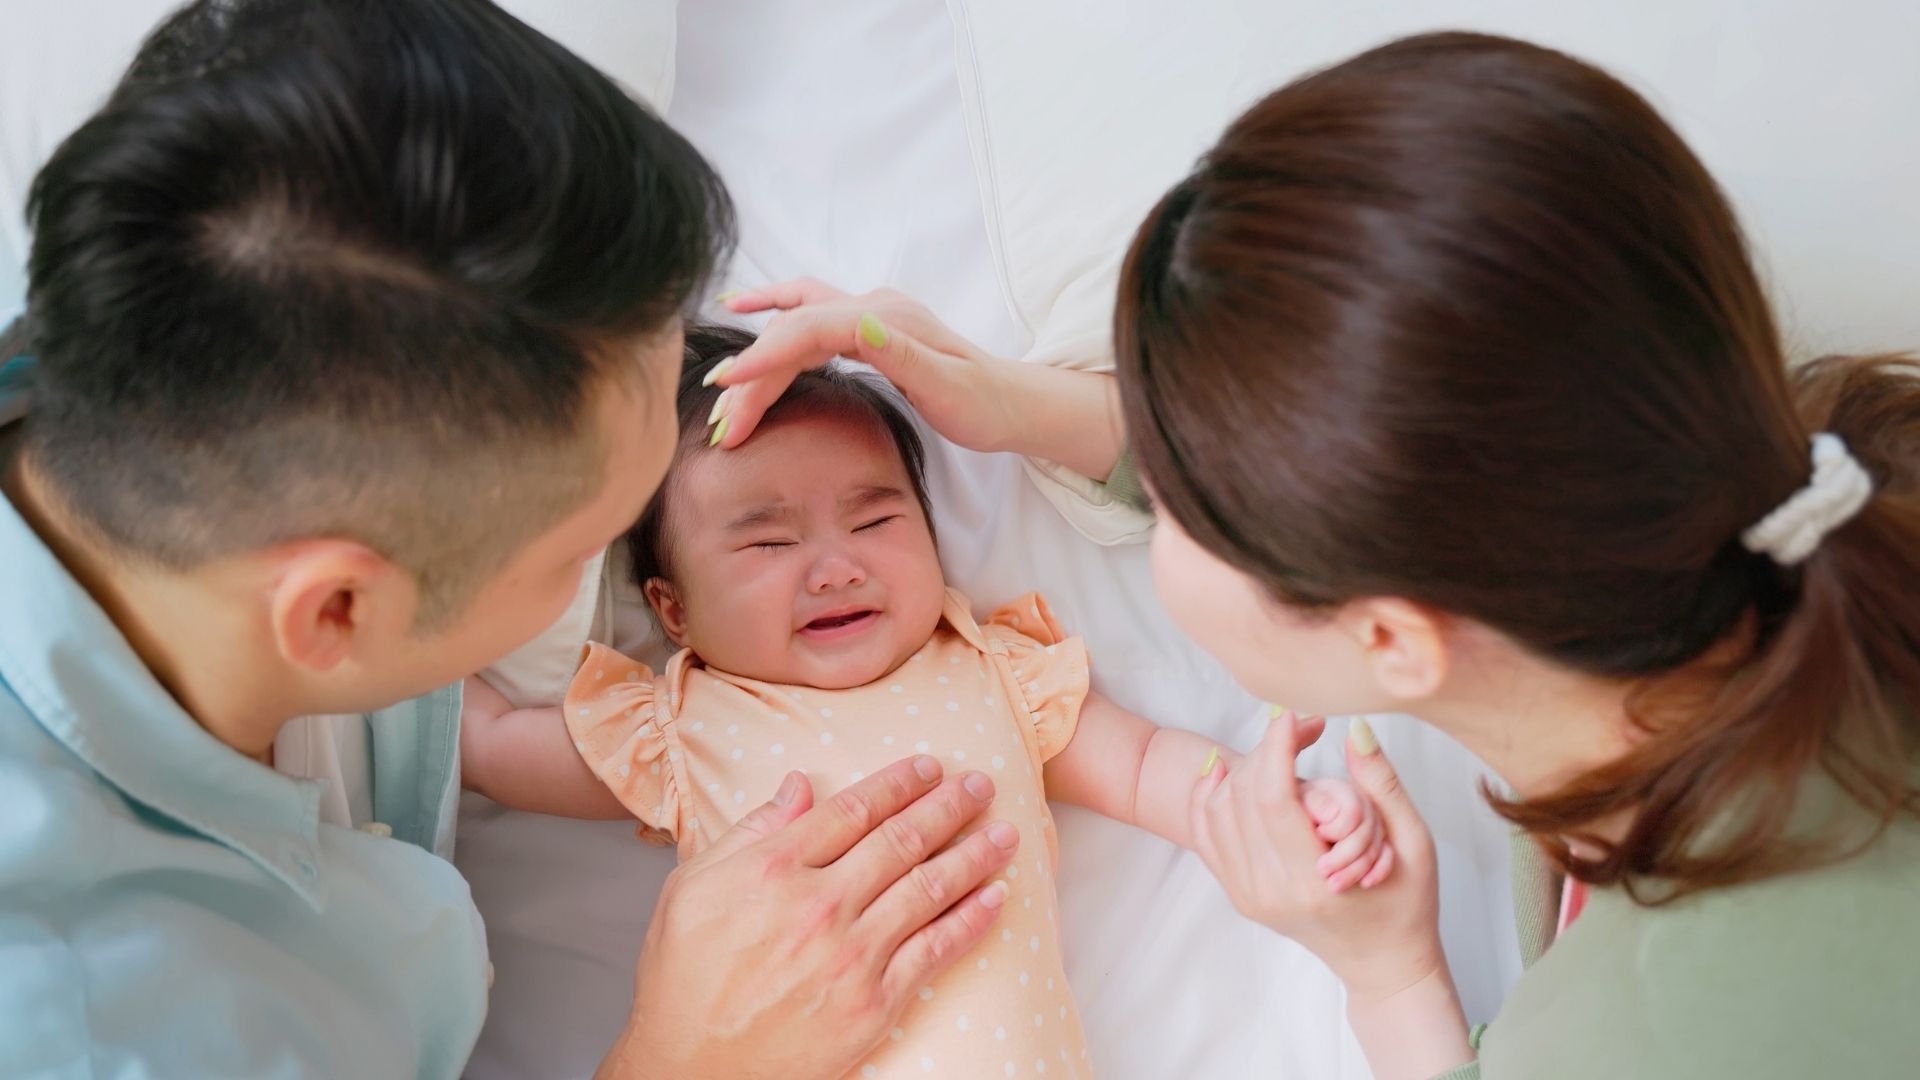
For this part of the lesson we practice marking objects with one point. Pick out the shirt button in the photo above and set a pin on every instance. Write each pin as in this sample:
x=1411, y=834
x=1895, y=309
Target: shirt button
x=378, y=828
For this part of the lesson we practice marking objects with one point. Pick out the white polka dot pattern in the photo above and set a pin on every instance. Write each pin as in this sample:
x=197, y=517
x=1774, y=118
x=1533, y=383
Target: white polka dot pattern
x=720, y=745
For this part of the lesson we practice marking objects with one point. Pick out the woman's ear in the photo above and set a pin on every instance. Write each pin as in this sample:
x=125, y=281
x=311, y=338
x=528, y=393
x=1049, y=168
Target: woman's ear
x=1404, y=645
x=328, y=597
x=667, y=608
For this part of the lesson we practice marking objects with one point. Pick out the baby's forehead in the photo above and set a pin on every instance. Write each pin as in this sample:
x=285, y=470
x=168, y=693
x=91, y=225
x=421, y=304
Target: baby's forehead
x=795, y=458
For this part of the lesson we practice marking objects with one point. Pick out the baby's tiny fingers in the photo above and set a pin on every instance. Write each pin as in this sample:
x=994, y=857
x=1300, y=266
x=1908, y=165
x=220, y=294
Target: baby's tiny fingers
x=1381, y=868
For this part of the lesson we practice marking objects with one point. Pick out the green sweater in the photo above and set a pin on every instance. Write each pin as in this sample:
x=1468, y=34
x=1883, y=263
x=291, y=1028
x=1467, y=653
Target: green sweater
x=1810, y=974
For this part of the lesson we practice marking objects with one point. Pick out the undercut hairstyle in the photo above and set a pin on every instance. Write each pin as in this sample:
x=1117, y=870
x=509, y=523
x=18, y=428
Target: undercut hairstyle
x=821, y=391
x=353, y=269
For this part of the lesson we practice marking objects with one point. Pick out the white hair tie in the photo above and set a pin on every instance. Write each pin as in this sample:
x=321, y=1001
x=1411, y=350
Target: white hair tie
x=1836, y=492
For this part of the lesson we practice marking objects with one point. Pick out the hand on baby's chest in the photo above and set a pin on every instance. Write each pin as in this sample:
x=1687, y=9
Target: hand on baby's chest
x=1007, y=1002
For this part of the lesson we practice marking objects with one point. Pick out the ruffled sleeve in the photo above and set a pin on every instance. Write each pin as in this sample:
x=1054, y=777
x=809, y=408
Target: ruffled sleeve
x=618, y=730
x=1049, y=667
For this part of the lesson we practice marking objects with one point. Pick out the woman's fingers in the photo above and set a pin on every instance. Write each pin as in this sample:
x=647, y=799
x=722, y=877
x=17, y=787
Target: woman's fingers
x=1375, y=776
x=1306, y=729
x=1199, y=822
x=743, y=406
x=793, y=342
x=784, y=294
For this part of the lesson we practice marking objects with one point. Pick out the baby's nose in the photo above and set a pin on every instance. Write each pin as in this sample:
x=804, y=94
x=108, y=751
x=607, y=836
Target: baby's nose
x=836, y=571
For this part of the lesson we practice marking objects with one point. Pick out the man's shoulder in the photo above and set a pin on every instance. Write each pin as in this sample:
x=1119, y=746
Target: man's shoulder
x=50, y=800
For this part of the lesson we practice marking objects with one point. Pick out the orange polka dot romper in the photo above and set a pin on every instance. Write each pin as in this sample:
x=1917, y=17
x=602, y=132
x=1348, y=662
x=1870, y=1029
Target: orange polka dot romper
x=693, y=749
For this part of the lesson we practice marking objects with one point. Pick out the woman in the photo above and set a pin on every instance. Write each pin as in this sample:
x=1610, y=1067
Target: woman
x=1460, y=397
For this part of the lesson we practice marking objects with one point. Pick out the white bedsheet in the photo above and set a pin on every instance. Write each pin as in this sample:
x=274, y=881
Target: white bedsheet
x=838, y=128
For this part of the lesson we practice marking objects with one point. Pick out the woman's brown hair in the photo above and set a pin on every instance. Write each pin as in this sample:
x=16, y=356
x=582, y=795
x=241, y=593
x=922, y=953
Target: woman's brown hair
x=1463, y=321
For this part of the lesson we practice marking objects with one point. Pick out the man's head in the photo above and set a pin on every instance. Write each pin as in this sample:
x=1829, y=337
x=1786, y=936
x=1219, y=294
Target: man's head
x=395, y=281
x=805, y=556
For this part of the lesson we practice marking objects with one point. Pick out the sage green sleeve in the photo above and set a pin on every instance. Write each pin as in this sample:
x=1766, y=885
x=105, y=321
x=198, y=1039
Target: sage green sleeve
x=1123, y=483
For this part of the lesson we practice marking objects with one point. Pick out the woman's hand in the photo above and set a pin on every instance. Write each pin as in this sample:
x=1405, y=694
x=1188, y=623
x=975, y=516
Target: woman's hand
x=974, y=400
x=791, y=946
x=1383, y=940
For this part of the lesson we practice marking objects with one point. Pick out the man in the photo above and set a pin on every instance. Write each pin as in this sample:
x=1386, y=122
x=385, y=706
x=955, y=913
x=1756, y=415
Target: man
x=352, y=332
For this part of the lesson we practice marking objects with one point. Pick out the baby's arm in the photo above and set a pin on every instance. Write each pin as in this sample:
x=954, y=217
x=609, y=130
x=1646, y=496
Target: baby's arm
x=1128, y=768
x=524, y=759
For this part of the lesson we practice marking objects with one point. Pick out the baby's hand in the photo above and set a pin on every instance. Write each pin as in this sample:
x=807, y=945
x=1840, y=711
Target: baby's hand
x=1348, y=820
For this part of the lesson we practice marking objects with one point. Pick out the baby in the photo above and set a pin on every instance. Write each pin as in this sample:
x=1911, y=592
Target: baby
x=800, y=576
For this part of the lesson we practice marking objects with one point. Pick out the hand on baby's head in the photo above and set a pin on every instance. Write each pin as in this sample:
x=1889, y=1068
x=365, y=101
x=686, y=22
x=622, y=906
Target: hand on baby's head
x=805, y=557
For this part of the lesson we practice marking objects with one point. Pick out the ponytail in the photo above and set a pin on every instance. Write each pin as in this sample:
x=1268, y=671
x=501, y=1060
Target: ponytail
x=1823, y=676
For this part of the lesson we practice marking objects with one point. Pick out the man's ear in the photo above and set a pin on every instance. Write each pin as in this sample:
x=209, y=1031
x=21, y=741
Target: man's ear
x=1404, y=644
x=667, y=608
x=328, y=597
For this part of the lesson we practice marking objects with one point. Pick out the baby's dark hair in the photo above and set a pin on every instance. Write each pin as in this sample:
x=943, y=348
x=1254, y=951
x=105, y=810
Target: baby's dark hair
x=834, y=390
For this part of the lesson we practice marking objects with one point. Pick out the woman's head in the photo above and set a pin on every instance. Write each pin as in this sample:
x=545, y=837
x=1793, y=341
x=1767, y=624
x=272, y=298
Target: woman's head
x=1459, y=332
x=806, y=555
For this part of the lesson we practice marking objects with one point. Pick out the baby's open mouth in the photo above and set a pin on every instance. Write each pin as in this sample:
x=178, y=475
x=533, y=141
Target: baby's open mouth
x=840, y=623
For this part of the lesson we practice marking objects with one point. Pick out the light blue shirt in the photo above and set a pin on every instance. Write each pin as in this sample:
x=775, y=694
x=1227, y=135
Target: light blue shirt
x=172, y=908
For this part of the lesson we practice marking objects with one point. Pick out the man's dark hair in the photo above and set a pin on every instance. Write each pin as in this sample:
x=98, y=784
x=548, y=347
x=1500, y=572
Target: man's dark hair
x=351, y=268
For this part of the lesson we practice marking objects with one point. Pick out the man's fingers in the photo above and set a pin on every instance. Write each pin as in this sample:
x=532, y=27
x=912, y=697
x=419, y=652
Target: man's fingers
x=833, y=828
x=929, y=888
x=934, y=947
x=794, y=798
x=897, y=845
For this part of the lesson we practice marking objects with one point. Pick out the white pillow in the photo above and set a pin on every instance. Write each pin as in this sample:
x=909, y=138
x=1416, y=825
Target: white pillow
x=1081, y=115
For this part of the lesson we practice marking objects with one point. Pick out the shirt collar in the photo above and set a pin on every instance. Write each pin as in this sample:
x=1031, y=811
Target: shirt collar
x=76, y=674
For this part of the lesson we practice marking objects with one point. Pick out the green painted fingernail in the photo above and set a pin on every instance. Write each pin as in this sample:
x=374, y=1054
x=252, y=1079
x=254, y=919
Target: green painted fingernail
x=728, y=295
x=872, y=332
x=721, y=431
x=719, y=371
x=719, y=406
x=1361, y=736
x=1213, y=758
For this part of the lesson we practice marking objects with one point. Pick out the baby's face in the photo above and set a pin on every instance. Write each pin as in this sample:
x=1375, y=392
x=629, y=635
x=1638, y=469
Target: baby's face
x=802, y=557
